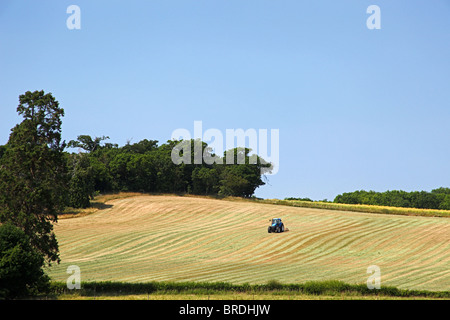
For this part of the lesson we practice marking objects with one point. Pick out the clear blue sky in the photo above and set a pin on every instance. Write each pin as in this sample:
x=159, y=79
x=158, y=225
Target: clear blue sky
x=356, y=108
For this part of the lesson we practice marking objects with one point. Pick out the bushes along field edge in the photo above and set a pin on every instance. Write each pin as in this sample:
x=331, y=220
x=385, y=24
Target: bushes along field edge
x=329, y=287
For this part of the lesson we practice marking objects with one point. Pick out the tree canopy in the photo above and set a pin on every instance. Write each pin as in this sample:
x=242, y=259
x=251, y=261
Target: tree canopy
x=146, y=166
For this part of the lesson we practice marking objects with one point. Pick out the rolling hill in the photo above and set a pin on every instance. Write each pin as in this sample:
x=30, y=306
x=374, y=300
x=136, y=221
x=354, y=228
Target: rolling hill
x=173, y=238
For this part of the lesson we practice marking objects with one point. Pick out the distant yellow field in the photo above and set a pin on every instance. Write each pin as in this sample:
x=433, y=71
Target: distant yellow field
x=169, y=238
x=361, y=208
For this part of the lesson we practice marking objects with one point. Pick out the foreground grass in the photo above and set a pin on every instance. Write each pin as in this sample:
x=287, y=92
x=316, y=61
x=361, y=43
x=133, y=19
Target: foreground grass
x=273, y=290
x=234, y=296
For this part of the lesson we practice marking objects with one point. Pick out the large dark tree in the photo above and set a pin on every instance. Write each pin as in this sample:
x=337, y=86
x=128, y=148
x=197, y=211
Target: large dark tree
x=21, y=265
x=33, y=174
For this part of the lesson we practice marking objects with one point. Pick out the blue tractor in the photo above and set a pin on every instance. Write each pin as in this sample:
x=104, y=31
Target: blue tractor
x=276, y=226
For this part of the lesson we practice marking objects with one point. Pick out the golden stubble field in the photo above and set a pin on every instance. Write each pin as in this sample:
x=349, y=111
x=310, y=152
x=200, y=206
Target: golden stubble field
x=172, y=238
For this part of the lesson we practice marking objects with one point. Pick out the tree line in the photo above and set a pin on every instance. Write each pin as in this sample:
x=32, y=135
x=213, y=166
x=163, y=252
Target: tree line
x=436, y=199
x=146, y=166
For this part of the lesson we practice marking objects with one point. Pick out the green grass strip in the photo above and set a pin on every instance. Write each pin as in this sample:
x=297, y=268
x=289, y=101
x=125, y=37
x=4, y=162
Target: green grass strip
x=330, y=287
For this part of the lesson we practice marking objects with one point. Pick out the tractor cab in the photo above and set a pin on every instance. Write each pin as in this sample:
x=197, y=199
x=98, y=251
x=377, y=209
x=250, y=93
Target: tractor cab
x=276, y=226
x=275, y=222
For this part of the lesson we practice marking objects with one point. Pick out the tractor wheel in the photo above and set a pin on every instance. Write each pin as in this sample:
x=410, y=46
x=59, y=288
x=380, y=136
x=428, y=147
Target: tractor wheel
x=282, y=228
x=278, y=230
x=269, y=230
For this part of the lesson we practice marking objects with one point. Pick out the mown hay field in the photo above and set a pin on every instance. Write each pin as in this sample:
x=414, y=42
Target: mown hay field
x=172, y=238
